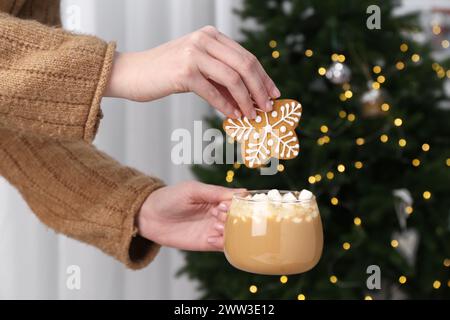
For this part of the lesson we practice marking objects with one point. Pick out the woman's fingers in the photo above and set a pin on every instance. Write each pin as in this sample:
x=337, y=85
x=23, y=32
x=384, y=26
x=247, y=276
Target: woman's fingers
x=212, y=95
x=216, y=242
x=221, y=73
x=272, y=89
x=219, y=227
x=227, y=95
x=274, y=92
x=247, y=68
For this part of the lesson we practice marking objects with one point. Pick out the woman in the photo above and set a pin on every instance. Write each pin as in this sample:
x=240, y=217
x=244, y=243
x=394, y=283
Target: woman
x=51, y=85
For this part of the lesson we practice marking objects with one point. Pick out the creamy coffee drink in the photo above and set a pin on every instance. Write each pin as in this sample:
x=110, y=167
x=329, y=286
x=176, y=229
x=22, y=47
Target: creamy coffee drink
x=274, y=233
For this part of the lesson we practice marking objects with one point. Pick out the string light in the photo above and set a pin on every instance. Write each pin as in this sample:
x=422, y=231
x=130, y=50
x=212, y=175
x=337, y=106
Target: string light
x=358, y=164
x=333, y=279
x=301, y=297
x=320, y=141
x=409, y=210
x=324, y=129
x=400, y=65
x=415, y=162
x=341, y=58
x=312, y=180
x=385, y=107
x=326, y=139
x=376, y=85
x=360, y=141
x=346, y=86
x=236, y=165
x=322, y=71
x=398, y=122
x=447, y=263
x=334, y=201
x=342, y=114
x=330, y=175
x=368, y=297
x=335, y=57
x=447, y=162
x=381, y=79
x=342, y=97
x=376, y=69
x=402, y=143
x=394, y=243
x=436, y=284
x=351, y=117
x=318, y=177
x=273, y=44
x=402, y=279
x=384, y=138
x=426, y=195
x=346, y=246
x=276, y=54
x=309, y=53
x=253, y=289
x=283, y=279
x=426, y=147
x=230, y=173
x=403, y=47
x=348, y=94
x=280, y=168
x=415, y=57
x=436, y=29
x=445, y=44
x=357, y=221
x=447, y=73
x=229, y=179
x=341, y=168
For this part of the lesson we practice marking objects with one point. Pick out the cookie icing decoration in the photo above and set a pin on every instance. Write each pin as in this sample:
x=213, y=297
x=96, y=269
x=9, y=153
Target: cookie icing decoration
x=270, y=134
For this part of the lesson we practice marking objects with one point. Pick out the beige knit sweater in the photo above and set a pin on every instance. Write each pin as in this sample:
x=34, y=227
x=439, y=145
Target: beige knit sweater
x=51, y=84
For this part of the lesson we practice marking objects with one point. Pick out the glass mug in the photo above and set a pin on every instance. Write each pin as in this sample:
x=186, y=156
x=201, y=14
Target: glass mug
x=273, y=237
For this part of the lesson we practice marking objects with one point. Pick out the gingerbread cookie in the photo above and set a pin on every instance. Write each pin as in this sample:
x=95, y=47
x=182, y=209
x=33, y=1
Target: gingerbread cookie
x=270, y=134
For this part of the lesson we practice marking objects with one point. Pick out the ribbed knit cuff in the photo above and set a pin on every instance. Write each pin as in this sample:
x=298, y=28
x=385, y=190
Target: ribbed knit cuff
x=95, y=114
x=137, y=252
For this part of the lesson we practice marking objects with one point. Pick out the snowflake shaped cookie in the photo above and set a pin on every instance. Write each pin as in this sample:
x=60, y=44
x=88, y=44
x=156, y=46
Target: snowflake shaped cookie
x=270, y=134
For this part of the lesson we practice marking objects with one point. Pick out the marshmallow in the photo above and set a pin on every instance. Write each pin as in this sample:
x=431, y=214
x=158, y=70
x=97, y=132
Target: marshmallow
x=289, y=197
x=305, y=195
x=259, y=197
x=274, y=195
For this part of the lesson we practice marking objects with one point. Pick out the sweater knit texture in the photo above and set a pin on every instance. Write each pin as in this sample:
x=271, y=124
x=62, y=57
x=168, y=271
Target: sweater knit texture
x=51, y=85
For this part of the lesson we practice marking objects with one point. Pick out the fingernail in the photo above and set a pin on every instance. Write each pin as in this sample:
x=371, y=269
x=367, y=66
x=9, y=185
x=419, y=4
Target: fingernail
x=214, y=213
x=237, y=113
x=223, y=207
x=276, y=93
x=268, y=105
x=219, y=226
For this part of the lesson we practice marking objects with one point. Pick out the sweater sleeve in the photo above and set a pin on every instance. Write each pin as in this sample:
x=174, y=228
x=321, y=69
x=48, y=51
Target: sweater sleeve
x=81, y=192
x=51, y=81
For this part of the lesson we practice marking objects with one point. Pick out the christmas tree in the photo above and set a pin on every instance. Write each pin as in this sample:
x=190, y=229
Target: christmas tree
x=374, y=140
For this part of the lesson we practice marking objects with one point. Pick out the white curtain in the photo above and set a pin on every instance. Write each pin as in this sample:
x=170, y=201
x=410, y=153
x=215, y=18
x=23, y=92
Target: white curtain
x=33, y=259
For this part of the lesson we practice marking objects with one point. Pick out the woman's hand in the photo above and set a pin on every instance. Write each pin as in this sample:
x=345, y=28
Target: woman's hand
x=205, y=62
x=188, y=216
